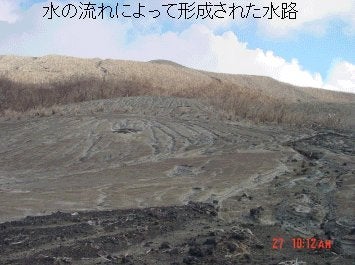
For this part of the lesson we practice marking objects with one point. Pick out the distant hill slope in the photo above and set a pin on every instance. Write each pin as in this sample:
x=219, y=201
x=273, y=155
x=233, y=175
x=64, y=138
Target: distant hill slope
x=166, y=62
x=160, y=73
x=55, y=79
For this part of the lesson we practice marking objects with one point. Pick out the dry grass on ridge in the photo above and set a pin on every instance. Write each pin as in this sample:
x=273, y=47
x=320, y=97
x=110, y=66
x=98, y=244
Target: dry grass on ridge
x=39, y=86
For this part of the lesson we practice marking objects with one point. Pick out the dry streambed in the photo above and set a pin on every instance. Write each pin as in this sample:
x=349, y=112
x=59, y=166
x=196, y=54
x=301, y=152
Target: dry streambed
x=144, y=152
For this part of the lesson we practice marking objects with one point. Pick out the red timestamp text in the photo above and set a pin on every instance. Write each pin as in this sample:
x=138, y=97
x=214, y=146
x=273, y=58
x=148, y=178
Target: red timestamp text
x=303, y=243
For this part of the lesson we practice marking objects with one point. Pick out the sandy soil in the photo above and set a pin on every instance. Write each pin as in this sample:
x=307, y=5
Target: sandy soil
x=248, y=184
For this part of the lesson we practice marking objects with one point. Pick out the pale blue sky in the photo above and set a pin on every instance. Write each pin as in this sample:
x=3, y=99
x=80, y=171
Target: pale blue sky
x=317, y=49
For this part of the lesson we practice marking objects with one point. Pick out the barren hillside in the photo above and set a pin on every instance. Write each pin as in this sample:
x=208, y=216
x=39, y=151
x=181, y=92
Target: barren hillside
x=120, y=162
x=50, y=80
x=159, y=73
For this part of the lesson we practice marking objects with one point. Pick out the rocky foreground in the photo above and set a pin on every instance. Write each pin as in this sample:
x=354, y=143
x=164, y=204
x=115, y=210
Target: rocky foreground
x=190, y=234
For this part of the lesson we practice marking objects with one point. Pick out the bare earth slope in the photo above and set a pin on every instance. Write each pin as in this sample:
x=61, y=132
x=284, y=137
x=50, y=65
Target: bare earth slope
x=158, y=73
x=121, y=162
x=254, y=182
x=28, y=84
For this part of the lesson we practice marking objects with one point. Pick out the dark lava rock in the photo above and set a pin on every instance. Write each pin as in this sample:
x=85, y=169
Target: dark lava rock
x=190, y=260
x=239, y=235
x=259, y=245
x=164, y=245
x=191, y=242
x=196, y=251
x=174, y=251
x=255, y=213
x=210, y=241
x=209, y=250
x=247, y=257
x=231, y=246
x=126, y=259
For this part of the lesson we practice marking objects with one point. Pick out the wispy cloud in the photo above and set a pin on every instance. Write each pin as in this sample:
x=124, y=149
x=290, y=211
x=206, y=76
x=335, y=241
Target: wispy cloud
x=9, y=10
x=341, y=77
x=200, y=48
x=313, y=17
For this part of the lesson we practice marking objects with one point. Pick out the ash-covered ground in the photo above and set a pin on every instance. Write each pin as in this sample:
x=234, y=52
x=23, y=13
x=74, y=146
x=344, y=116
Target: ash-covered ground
x=162, y=180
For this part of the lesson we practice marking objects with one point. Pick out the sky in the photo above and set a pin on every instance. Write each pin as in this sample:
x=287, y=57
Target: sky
x=316, y=48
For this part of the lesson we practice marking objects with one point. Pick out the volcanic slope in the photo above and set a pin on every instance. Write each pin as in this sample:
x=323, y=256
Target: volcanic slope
x=161, y=74
x=28, y=83
x=255, y=182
